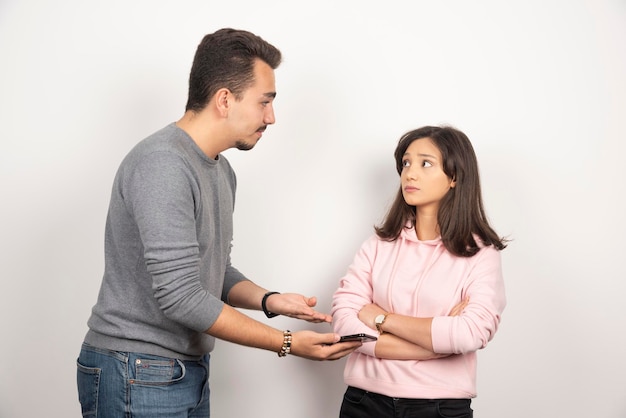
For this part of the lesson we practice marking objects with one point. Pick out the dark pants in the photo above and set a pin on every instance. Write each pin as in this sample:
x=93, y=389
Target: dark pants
x=358, y=403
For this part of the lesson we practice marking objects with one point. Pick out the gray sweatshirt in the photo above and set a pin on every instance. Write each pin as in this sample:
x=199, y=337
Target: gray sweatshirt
x=167, y=250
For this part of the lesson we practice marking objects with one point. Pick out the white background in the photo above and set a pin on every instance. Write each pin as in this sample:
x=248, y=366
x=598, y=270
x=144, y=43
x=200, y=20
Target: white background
x=538, y=86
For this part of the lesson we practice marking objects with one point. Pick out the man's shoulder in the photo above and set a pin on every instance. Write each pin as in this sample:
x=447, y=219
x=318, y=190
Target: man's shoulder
x=166, y=138
x=164, y=141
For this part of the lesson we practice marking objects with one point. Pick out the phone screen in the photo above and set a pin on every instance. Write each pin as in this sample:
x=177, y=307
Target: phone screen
x=358, y=337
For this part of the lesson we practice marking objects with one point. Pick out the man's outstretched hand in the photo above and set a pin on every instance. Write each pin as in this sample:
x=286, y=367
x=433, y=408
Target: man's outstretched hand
x=296, y=306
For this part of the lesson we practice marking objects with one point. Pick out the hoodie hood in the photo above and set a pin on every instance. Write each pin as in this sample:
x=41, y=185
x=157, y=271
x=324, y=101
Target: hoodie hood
x=408, y=233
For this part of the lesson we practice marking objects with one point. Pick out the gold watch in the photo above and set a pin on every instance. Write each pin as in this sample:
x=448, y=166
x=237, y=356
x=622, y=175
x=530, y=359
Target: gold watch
x=379, y=321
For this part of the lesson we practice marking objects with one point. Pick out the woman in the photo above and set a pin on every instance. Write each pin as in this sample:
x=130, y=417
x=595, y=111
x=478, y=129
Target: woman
x=428, y=283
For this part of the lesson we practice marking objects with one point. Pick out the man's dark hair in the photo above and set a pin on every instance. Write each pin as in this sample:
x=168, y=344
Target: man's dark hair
x=225, y=59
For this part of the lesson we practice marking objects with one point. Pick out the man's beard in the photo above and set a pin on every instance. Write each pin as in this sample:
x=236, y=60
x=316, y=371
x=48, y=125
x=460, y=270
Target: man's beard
x=243, y=146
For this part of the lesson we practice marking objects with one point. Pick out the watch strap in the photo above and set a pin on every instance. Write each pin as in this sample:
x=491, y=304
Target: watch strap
x=264, y=304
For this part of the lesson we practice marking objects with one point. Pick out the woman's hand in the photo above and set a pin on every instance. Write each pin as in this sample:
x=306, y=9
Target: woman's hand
x=458, y=308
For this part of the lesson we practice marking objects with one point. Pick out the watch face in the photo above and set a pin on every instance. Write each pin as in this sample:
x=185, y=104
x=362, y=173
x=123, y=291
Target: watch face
x=378, y=321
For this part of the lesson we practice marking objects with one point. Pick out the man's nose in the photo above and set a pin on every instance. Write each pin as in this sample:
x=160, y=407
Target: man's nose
x=269, y=118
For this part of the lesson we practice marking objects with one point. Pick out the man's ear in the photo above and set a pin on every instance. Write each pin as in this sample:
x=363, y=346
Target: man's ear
x=222, y=99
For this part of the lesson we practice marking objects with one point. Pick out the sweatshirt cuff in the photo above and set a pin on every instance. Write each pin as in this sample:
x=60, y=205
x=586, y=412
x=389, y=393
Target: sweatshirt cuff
x=441, y=334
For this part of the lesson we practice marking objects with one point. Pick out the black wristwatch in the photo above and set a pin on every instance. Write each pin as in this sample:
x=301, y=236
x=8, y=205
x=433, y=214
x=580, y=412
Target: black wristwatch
x=263, y=304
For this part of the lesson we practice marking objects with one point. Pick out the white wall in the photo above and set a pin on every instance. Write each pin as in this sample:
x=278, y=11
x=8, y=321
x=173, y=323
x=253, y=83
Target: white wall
x=539, y=86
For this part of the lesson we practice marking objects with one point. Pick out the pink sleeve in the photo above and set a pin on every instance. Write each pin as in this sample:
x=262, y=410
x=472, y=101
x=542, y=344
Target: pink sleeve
x=478, y=323
x=354, y=292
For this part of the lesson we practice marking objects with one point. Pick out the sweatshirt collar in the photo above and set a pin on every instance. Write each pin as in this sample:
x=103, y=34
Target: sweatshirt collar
x=408, y=234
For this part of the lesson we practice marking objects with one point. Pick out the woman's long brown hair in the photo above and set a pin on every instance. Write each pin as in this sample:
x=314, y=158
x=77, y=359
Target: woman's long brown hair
x=461, y=215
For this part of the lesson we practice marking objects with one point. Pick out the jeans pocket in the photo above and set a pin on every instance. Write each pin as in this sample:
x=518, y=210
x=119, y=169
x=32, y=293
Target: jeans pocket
x=157, y=372
x=455, y=408
x=354, y=395
x=88, y=380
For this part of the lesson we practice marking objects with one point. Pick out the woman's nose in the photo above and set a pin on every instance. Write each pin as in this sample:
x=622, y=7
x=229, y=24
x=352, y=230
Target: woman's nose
x=410, y=173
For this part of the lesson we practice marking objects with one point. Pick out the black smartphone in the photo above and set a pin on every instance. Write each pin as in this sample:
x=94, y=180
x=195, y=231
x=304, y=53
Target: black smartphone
x=358, y=337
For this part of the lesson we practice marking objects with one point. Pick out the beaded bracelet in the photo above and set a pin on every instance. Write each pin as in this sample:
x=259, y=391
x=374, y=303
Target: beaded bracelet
x=286, y=348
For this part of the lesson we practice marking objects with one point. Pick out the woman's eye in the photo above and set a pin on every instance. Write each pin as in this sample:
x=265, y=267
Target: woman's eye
x=426, y=164
x=405, y=163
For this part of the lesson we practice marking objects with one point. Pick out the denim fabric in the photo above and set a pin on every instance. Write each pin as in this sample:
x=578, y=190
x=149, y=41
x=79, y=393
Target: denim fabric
x=358, y=403
x=113, y=384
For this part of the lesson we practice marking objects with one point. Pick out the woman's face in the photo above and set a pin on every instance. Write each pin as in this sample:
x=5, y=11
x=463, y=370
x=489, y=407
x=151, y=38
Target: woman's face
x=423, y=181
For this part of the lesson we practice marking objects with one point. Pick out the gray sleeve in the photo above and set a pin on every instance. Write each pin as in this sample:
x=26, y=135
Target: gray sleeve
x=160, y=194
x=231, y=278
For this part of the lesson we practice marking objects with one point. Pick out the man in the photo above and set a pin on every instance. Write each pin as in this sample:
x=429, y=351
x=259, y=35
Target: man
x=169, y=288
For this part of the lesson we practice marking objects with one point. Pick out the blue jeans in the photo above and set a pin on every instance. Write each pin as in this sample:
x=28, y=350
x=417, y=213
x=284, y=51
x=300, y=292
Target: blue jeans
x=358, y=403
x=114, y=384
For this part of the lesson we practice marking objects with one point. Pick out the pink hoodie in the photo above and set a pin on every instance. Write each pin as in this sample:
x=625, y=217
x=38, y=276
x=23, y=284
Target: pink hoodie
x=421, y=279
